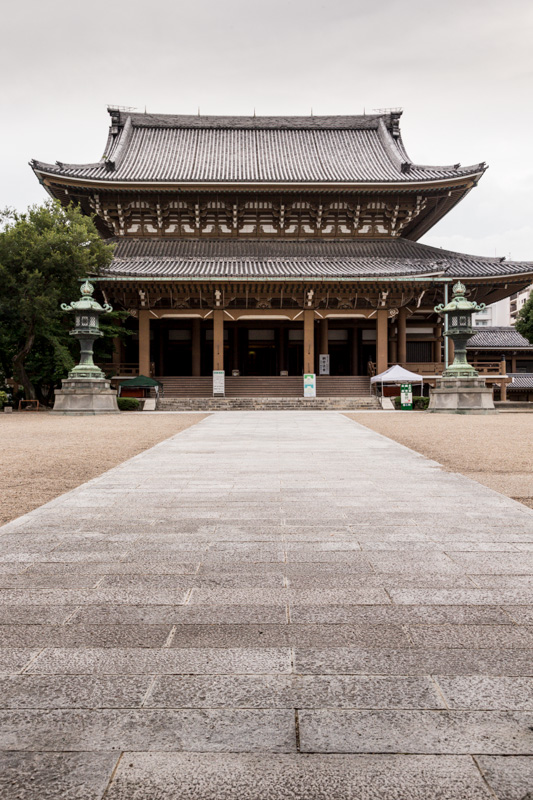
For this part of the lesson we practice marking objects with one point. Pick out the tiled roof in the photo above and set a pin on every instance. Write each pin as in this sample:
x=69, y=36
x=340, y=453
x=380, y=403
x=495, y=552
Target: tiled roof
x=285, y=259
x=497, y=339
x=521, y=380
x=273, y=150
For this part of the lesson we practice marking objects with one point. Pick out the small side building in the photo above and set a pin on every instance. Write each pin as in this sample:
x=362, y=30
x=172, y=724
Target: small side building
x=506, y=349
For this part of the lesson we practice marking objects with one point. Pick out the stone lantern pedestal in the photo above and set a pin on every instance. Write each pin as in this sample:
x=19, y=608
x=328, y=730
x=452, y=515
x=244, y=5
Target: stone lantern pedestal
x=85, y=396
x=460, y=390
x=462, y=396
x=86, y=390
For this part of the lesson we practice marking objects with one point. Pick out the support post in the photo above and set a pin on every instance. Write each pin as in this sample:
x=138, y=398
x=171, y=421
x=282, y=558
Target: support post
x=382, y=344
x=282, y=342
x=451, y=350
x=309, y=340
x=324, y=343
x=503, y=391
x=438, y=345
x=393, y=350
x=235, y=348
x=355, y=351
x=117, y=354
x=402, y=336
x=144, y=342
x=218, y=339
x=196, y=349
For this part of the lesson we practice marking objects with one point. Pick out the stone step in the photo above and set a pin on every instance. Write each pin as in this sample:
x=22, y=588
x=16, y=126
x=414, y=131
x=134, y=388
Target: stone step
x=266, y=404
x=275, y=386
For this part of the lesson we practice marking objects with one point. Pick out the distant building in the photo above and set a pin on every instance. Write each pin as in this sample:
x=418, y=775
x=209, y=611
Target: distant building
x=496, y=315
x=517, y=301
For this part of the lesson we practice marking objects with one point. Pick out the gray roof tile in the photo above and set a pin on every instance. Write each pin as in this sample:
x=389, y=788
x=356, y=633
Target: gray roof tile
x=181, y=149
x=497, y=338
x=521, y=380
x=161, y=258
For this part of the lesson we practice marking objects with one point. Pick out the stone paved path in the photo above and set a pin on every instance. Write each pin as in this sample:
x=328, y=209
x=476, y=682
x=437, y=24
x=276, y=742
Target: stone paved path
x=278, y=605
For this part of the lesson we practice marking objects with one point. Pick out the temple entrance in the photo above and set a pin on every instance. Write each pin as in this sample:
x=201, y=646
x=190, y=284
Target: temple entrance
x=183, y=347
x=260, y=359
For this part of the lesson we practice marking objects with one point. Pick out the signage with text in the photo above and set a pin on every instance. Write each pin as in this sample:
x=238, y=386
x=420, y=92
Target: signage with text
x=219, y=388
x=323, y=364
x=406, y=396
x=309, y=385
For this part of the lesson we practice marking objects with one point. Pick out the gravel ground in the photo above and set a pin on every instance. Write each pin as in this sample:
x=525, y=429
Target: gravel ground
x=46, y=455
x=494, y=450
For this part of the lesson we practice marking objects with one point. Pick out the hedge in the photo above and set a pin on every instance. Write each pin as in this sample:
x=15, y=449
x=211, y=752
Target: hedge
x=128, y=404
x=419, y=403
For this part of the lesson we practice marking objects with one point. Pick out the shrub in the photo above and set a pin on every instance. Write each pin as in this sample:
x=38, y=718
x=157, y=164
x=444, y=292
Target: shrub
x=128, y=404
x=3, y=399
x=419, y=403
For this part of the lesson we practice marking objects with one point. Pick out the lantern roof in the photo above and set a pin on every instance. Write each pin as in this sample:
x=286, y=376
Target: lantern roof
x=87, y=301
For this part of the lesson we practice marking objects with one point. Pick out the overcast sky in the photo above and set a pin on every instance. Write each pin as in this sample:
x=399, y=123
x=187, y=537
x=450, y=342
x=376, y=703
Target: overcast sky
x=462, y=70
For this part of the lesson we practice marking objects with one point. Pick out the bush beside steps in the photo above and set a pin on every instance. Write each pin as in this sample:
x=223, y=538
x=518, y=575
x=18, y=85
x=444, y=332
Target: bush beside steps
x=419, y=403
x=128, y=404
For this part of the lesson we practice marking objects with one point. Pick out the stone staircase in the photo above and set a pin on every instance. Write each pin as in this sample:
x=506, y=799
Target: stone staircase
x=266, y=393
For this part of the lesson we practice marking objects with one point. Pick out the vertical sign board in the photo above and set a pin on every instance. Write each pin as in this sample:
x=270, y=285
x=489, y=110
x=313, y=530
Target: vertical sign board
x=406, y=397
x=219, y=388
x=323, y=364
x=309, y=385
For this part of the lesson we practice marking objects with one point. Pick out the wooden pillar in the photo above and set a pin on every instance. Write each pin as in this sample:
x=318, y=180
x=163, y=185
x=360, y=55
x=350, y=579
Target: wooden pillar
x=402, y=336
x=218, y=339
x=382, y=344
x=503, y=391
x=116, y=357
x=451, y=351
x=161, y=348
x=144, y=342
x=196, y=349
x=324, y=343
x=282, y=343
x=235, y=348
x=393, y=349
x=438, y=344
x=513, y=364
x=309, y=340
x=355, y=351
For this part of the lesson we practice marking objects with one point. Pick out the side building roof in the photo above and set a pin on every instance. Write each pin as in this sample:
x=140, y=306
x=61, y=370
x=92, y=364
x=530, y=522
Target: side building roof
x=498, y=338
x=341, y=150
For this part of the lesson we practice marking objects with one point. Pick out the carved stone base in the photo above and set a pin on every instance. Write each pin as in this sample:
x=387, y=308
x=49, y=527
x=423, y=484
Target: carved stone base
x=461, y=396
x=85, y=396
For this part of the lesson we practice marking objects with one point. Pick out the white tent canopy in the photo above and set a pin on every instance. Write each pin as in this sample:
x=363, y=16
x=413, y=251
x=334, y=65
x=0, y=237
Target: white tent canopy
x=397, y=374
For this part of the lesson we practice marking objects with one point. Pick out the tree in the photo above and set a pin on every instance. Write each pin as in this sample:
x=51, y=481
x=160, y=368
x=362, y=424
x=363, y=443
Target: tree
x=44, y=253
x=524, y=322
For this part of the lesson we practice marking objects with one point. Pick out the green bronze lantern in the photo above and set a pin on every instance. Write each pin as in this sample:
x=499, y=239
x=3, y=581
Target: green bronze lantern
x=86, y=329
x=459, y=313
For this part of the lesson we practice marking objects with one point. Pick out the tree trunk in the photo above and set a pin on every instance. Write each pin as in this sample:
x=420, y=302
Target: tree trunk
x=19, y=369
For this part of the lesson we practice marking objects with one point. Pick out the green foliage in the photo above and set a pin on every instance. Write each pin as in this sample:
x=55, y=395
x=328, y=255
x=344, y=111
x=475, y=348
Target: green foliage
x=128, y=404
x=524, y=323
x=44, y=253
x=3, y=399
x=419, y=403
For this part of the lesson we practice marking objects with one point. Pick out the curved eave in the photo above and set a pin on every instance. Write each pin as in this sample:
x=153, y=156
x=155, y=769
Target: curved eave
x=467, y=180
x=434, y=278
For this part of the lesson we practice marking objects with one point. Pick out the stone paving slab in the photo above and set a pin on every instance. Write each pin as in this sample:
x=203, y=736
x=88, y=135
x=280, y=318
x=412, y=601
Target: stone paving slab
x=278, y=605
x=303, y=777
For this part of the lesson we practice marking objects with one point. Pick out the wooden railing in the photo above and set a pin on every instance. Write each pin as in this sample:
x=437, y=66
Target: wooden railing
x=124, y=370
x=483, y=366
